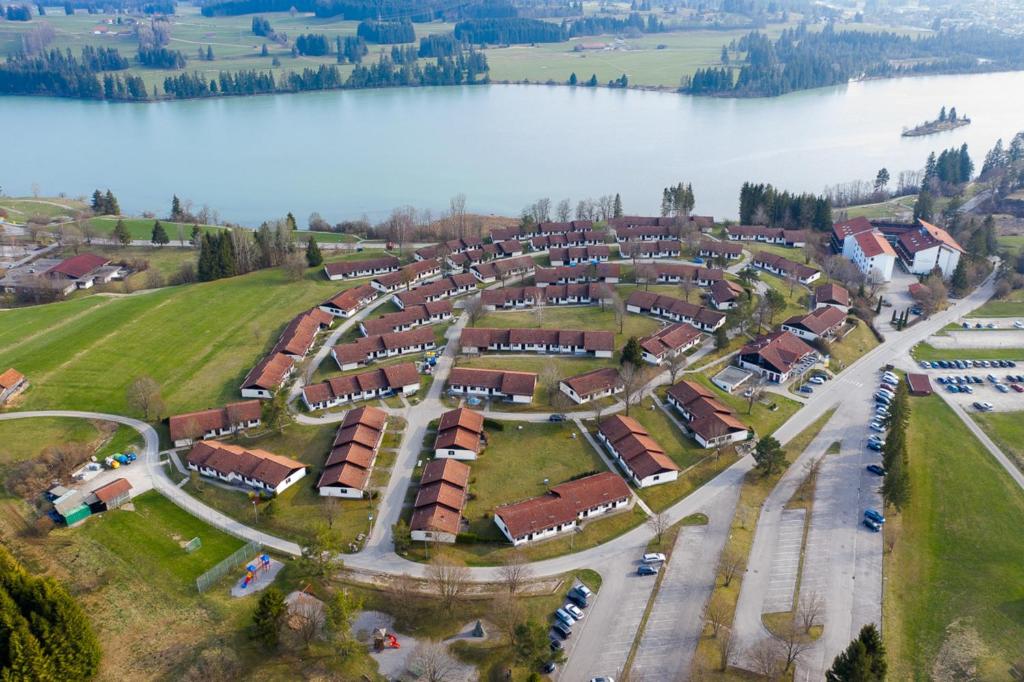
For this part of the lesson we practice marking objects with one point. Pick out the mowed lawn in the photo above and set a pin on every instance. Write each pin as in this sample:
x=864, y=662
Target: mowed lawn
x=198, y=342
x=22, y=439
x=572, y=317
x=925, y=351
x=958, y=556
x=1011, y=306
x=1007, y=430
x=565, y=367
x=852, y=346
x=152, y=538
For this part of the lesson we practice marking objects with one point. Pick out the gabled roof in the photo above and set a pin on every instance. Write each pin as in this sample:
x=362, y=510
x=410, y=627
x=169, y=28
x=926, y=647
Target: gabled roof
x=195, y=424
x=562, y=504
x=873, y=244
x=361, y=349
x=724, y=291
x=832, y=293
x=780, y=349
x=269, y=372
x=111, y=491
x=351, y=299
x=848, y=228
x=592, y=341
x=594, y=381
x=670, y=339
x=78, y=266
x=256, y=464
x=505, y=381
x=345, y=268
x=461, y=428
x=449, y=470
x=10, y=378
x=641, y=453
x=941, y=235
x=818, y=321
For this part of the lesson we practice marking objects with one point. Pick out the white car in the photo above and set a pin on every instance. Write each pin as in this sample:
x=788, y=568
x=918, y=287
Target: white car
x=574, y=611
x=877, y=426
x=653, y=558
x=816, y=380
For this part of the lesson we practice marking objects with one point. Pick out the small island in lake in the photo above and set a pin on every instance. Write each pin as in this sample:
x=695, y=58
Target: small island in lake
x=943, y=122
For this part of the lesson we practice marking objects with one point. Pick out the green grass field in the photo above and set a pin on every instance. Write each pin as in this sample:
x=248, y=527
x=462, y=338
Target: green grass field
x=957, y=559
x=1007, y=430
x=852, y=346
x=924, y=351
x=22, y=439
x=19, y=209
x=198, y=342
x=1011, y=306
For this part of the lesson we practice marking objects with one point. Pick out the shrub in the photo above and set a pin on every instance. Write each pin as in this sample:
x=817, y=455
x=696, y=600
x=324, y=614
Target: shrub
x=493, y=424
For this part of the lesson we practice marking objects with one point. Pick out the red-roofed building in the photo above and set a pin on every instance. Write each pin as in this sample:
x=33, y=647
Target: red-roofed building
x=668, y=342
x=724, y=295
x=600, y=344
x=369, y=348
x=82, y=271
x=109, y=496
x=401, y=378
x=847, y=228
x=833, y=295
x=460, y=434
x=639, y=455
x=819, y=324
x=784, y=267
x=12, y=382
x=353, y=453
x=437, y=511
x=602, y=382
x=517, y=387
x=928, y=247
x=675, y=309
x=872, y=254
x=369, y=267
x=562, y=508
x=711, y=423
x=348, y=302
x=267, y=376
x=776, y=355
x=255, y=468
x=214, y=423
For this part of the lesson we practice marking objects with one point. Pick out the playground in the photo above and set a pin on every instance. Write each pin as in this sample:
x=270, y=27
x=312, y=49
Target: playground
x=258, y=575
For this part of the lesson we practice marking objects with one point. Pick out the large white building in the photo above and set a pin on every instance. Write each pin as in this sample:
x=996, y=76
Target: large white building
x=872, y=254
x=928, y=247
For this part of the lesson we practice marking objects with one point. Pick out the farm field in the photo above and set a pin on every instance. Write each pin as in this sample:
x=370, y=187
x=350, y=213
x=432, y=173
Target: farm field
x=954, y=569
x=197, y=342
x=574, y=317
x=297, y=511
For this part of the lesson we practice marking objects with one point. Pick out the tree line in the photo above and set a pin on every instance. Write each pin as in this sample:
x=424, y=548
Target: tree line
x=161, y=58
x=762, y=204
x=386, y=32
x=45, y=634
x=226, y=253
x=61, y=74
x=312, y=45
x=105, y=203
x=800, y=59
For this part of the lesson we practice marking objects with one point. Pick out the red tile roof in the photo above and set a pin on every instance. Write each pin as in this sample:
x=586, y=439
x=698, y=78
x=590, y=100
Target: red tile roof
x=832, y=293
x=195, y=424
x=641, y=453
x=461, y=428
x=562, y=504
x=269, y=372
x=111, y=491
x=780, y=349
x=354, y=449
x=819, y=321
x=847, y=228
x=394, y=377
x=941, y=235
x=10, y=378
x=590, y=341
x=78, y=266
x=346, y=268
x=256, y=464
x=352, y=299
x=505, y=381
x=594, y=381
x=414, y=315
x=360, y=350
x=670, y=339
x=873, y=244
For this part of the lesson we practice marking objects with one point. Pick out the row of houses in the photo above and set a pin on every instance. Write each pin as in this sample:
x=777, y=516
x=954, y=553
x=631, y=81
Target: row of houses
x=353, y=453
x=679, y=223
x=565, y=240
x=599, y=344
x=767, y=235
x=603, y=382
x=245, y=467
x=716, y=249
x=513, y=298
x=440, y=500
x=541, y=229
x=406, y=276
x=452, y=246
x=460, y=434
x=503, y=269
x=367, y=267
x=821, y=323
x=668, y=342
x=675, y=309
x=608, y=273
x=216, y=422
x=369, y=348
x=295, y=341
x=677, y=273
x=784, y=267
x=397, y=379
x=661, y=248
x=710, y=422
x=516, y=387
x=347, y=303
x=446, y=287
x=640, y=456
x=574, y=255
x=409, y=317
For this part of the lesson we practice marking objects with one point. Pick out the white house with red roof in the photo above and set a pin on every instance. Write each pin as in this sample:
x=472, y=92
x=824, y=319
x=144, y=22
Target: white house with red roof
x=928, y=247
x=872, y=254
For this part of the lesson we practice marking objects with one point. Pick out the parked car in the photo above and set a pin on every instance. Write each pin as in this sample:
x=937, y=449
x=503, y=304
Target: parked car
x=874, y=515
x=884, y=399
x=548, y=667
x=556, y=644
x=1002, y=388
x=925, y=364
x=953, y=389
x=561, y=629
x=968, y=389
x=1018, y=324
x=646, y=569
x=983, y=406
x=653, y=558
x=875, y=445
x=817, y=381
x=876, y=469
x=871, y=525
x=563, y=616
x=1011, y=363
x=582, y=590
x=806, y=389
x=577, y=599
x=574, y=611
x=1018, y=388
x=556, y=418
x=877, y=426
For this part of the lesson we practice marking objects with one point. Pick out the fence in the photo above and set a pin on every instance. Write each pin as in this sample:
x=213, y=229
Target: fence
x=237, y=558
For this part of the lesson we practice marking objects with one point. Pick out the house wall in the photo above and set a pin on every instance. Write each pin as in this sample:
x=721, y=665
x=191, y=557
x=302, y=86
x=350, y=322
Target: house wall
x=339, y=491
x=257, y=393
x=288, y=482
x=432, y=536
x=454, y=453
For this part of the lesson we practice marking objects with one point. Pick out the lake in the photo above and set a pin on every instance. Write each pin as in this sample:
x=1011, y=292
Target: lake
x=348, y=154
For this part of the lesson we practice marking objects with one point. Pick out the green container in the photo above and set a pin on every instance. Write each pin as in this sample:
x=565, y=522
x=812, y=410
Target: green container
x=76, y=515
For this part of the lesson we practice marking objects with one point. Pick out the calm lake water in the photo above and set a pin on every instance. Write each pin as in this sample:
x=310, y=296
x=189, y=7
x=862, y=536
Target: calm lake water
x=346, y=154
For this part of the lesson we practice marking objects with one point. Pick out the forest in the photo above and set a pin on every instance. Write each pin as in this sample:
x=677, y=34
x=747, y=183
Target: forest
x=762, y=204
x=800, y=59
x=386, y=32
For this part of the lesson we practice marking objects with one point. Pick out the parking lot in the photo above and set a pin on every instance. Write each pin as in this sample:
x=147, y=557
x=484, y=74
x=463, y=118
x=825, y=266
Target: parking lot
x=785, y=563
x=977, y=387
x=981, y=338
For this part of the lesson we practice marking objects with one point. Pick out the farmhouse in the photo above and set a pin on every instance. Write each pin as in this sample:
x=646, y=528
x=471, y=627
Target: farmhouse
x=460, y=434
x=268, y=374
x=671, y=273
x=12, y=382
x=711, y=423
x=775, y=355
x=927, y=247
x=502, y=269
x=574, y=255
x=298, y=336
x=872, y=255
x=662, y=248
x=446, y=287
x=832, y=295
x=369, y=348
x=562, y=508
x=349, y=269
x=109, y=496
x=353, y=453
x=412, y=316
x=567, y=274
x=255, y=468
x=516, y=387
x=437, y=511
x=724, y=295
x=674, y=309
x=712, y=249
x=784, y=267
x=600, y=344
x=347, y=303
x=668, y=342
x=639, y=455
x=768, y=235
x=214, y=423
x=401, y=378
x=593, y=385
x=408, y=275
x=820, y=324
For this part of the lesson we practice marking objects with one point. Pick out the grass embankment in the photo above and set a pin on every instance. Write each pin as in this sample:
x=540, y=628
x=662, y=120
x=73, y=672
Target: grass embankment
x=514, y=467
x=1011, y=306
x=198, y=342
x=1007, y=430
x=852, y=346
x=957, y=558
x=753, y=492
x=925, y=351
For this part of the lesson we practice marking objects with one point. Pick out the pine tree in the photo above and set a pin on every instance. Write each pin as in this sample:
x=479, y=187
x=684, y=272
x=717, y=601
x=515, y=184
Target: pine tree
x=290, y=220
x=160, y=234
x=769, y=455
x=175, y=208
x=110, y=206
x=632, y=352
x=617, y=207
x=593, y=81
x=226, y=256
x=209, y=53
x=269, y=616
x=924, y=206
x=207, y=268
x=121, y=233
x=97, y=202
x=572, y=78
x=313, y=256
x=959, y=280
